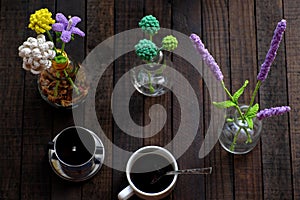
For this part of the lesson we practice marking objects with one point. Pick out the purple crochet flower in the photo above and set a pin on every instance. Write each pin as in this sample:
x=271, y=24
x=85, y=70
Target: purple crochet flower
x=265, y=67
x=272, y=112
x=67, y=27
x=207, y=57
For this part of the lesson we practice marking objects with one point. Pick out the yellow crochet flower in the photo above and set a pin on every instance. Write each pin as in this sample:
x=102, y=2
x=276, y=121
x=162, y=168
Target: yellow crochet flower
x=41, y=20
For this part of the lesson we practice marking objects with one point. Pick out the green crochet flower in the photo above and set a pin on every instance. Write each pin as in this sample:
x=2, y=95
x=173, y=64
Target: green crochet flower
x=169, y=43
x=146, y=50
x=149, y=25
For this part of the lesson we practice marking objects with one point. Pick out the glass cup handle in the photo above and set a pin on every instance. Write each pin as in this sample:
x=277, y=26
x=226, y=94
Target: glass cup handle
x=126, y=193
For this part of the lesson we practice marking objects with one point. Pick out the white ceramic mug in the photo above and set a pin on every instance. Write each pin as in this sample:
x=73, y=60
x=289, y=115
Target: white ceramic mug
x=132, y=189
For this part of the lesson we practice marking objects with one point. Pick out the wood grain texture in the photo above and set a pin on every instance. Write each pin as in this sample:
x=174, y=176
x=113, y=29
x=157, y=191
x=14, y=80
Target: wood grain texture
x=37, y=130
x=247, y=169
x=292, y=44
x=12, y=94
x=63, y=118
x=236, y=32
x=127, y=17
x=162, y=11
x=275, y=133
x=186, y=19
x=216, y=38
x=100, y=26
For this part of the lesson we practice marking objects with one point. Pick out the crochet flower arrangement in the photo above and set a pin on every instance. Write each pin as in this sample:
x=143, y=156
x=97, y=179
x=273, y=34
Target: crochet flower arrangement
x=146, y=49
x=253, y=110
x=39, y=54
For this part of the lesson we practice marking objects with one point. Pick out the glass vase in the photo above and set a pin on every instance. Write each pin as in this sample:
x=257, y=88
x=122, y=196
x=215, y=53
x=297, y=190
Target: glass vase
x=236, y=136
x=57, y=85
x=151, y=79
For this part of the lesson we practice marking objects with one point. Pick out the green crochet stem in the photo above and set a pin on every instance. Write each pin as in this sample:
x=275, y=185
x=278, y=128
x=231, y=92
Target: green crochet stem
x=51, y=39
x=63, y=47
x=249, y=140
x=71, y=82
x=151, y=88
x=236, y=106
x=232, y=146
x=258, y=84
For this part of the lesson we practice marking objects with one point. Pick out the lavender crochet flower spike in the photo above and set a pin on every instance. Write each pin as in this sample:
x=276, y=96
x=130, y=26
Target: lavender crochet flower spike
x=272, y=112
x=277, y=37
x=206, y=56
x=67, y=27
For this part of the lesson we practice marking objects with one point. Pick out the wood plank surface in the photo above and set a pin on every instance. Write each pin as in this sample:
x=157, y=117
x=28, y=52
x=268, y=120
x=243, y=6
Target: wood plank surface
x=100, y=26
x=292, y=44
x=186, y=19
x=75, y=49
x=12, y=94
x=216, y=38
x=236, y=32
x=247, y=168
x=275, y=133
x=162, y=11
x=127, y=17
x=37, y=131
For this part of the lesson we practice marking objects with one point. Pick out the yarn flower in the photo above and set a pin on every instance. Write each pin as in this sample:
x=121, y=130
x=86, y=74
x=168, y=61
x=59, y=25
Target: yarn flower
x=207, y=57
x=169, y=43
x=149, y=25
x=67, y=27
x=278, y=34
x=269, y=112
x=252, y=111
x=41, y=20
x=37, y=54
x=146, y=50
x=151, y=54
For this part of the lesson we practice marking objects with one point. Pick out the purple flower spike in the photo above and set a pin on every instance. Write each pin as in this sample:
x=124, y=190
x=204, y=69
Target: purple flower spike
x=272, y=112
x=207, y=57
x=67, y=27
x=265, y=67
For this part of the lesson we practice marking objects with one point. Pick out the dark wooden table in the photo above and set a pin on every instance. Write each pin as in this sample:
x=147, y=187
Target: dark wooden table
x=237, y=33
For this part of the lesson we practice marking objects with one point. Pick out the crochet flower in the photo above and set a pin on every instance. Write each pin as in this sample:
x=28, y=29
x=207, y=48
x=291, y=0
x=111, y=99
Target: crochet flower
x=265, y=67
x=146, y=50
x=272, y=112
x=41, y=20
x=207, y=57
x=149, y=25
x=37, y=54
x=67, y=27
x=169, y=43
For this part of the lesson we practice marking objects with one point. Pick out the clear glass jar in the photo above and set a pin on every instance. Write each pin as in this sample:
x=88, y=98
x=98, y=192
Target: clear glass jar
x=59, y=88
x=236, y=136
x=151, y=79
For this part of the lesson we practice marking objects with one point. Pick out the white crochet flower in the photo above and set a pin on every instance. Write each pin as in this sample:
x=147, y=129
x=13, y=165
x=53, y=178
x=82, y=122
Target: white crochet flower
x=37, y=54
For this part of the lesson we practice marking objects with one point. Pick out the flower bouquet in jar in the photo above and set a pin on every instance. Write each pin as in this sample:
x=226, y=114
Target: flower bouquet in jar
x=150, y=77
x=56, y=70
x=243, y=123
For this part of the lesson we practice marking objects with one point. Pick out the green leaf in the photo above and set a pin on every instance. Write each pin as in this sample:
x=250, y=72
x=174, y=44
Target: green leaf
x=252, y=111
x=240, y=91
x=60, y=59
x=224, y=104
x=250, y=122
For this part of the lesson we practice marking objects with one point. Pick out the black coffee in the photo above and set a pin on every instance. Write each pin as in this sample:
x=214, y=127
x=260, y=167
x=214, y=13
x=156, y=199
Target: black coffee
x=147, y=169
x=75, y=146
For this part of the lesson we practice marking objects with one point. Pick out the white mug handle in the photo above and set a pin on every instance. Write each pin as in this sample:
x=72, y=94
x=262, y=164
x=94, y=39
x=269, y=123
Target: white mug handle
x=126, y=193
